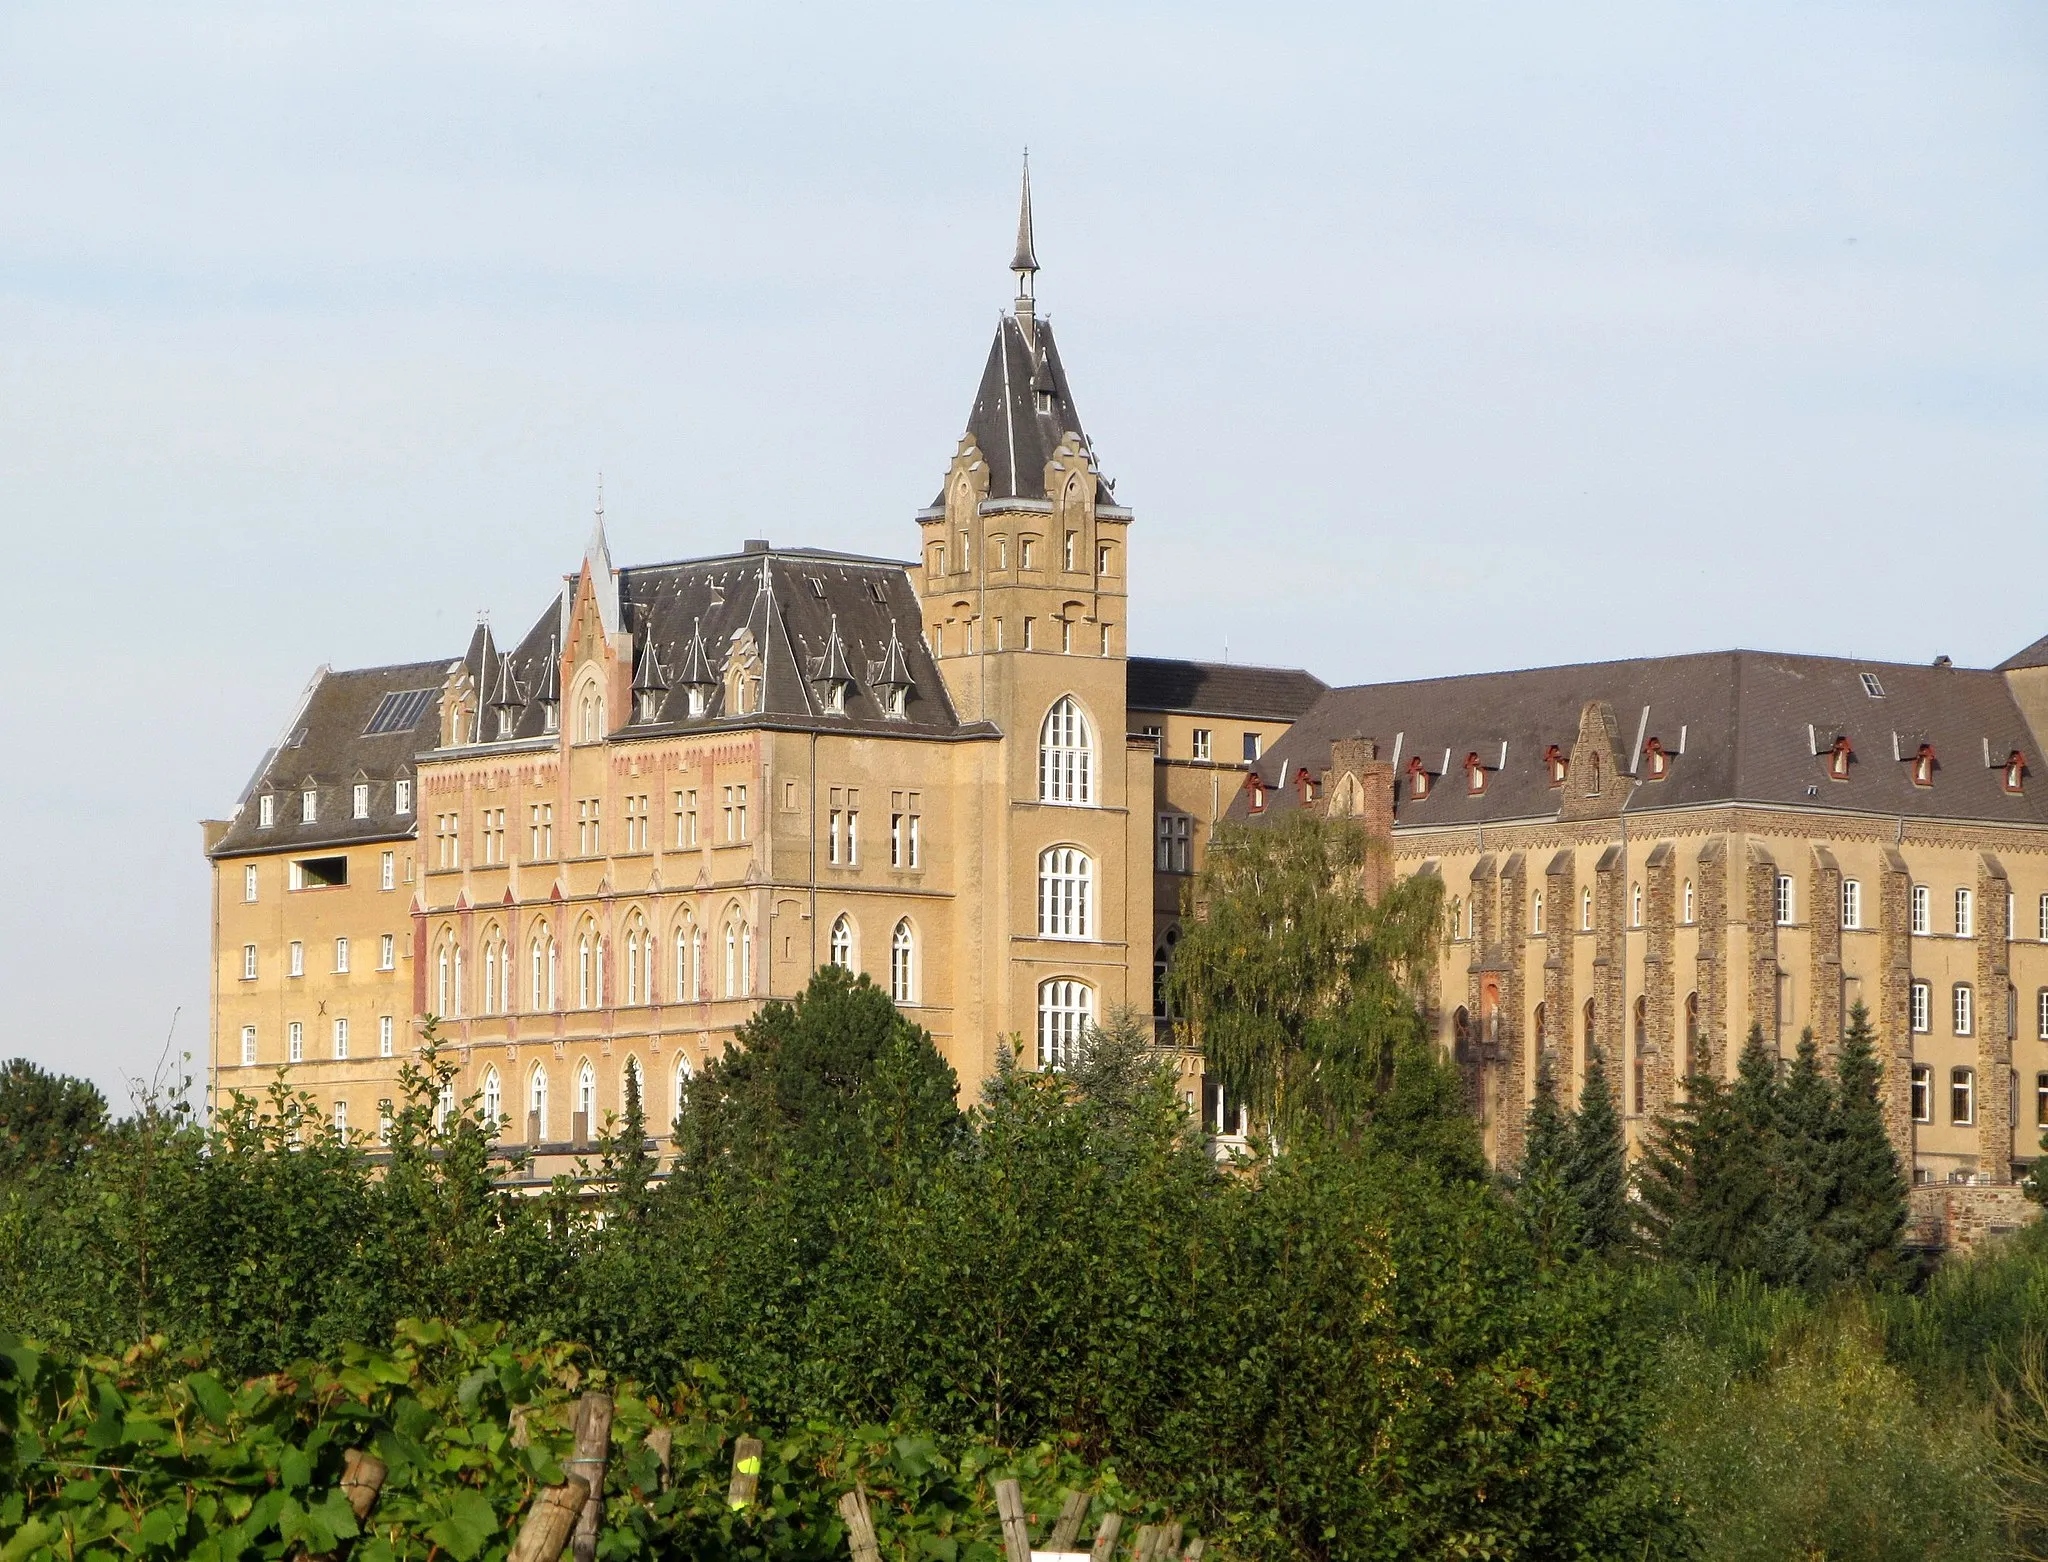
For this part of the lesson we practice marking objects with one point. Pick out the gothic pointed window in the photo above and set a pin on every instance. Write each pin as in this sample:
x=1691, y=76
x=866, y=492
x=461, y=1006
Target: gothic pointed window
x=841, y=943
x=537, y=1106
x=586, y=1095
x=494, y=1104
x=1066, y=1008
x=1065, y=893
x=903, y=964
x=1066, y=755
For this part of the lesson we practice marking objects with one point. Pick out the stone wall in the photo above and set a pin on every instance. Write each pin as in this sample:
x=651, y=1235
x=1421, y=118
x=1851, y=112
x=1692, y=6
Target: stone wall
x=1960, y=1218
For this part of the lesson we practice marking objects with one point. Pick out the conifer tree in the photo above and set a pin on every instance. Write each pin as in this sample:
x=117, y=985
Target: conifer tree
x=1709, y=1175
x=1596, y=1164
x=1858, y=1236
x=1804, y=1186
x=1548, y=1208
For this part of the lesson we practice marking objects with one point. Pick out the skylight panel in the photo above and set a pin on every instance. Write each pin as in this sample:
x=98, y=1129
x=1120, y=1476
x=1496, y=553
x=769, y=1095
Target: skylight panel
x=399, y=711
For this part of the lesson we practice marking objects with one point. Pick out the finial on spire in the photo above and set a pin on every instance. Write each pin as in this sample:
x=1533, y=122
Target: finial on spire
x=1025, y=262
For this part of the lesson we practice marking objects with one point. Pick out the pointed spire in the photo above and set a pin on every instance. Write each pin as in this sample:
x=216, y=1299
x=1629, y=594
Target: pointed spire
x=830, y=674
x=891, y=677
x=1025, y=262
x=597, y=554
x=698, y=676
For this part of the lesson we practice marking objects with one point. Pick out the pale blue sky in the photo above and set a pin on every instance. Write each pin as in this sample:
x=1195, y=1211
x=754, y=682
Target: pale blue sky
x=1421, y=338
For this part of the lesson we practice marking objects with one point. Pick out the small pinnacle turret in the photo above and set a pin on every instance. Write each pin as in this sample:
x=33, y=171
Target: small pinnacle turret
x=1025, y=262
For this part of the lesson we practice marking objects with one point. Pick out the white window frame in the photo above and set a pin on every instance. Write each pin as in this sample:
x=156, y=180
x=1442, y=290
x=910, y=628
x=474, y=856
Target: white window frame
x=401, y=797
x=1635, y=905
x=248, y=1045
x=903, y=963
x=249, y=878
x=1787, y=900
x=340, y=1040
x=295, y=1041
x=1066, y=755
x=1921, y=1102
x=387, y=952
x=1920, y=1007
x=266, y=812
x=839, y=943
x=1066, y=1008
x=341, y=957
x=1066, y=893
x=1962, y=1086
x=387, y=1035
x=297, y=958
x=1966, y=913
x=1586, y=910
x=309, y=806
x=1963, y=1008
x=1921, y=902
x=387, y=871
x=1688, y=903
x=1201, y=742
x=248, y=962
x=359, y=799
x=1852, y=904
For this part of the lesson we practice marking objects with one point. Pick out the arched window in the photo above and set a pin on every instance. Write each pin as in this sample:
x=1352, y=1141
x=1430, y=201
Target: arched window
x=1688, y=901
x=1589, y=1032
x=1536, y=912
x=586, y=1096
x=681, y=1090
x=732, y=959
x=632, y=967
x=585, y=989
x=1064, y=893
x=490, y=1002
x=457, y=1010
x=1065, y=755
x=1457, y=918
x=1635, y=905
x=442, y=976
x=1542, y=1040
x=1642, y=1041
x=536, y=998
x=1692, y=1034
x=686, y=989
x=697, y=963
x=537, y=1106
x=1586, y=910
x=1065, y=1009
x=494, y=1102
x=589, y=716
x=903, y=964
x=746, y=958
x=1461, y=1038
x=840, y=943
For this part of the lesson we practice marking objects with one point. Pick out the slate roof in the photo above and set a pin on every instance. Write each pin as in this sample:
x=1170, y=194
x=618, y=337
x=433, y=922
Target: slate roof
x=1157, y=683
x=1742, y=716
x=2035, y=655
x=327, y=744
x=688, y=616
x=1013, y=428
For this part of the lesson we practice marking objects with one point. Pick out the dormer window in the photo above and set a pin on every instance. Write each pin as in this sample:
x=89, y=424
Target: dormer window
x=266, y=811
x=1554, y=765
x=1475, y=775
x=550, y=716
x=1305, y=785
x=2015, y=770
x=1923, y=765
x=504, y=722
x=1839, y=755
x=1656, y=763
x=1255, y=794
x=309, y=805
x=1871, y=686
x=360, y=799
x=1419, y=778
x=649, y=705
x=401, y=797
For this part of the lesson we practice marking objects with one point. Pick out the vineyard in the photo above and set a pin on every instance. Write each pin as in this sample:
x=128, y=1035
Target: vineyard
x=463, y=1444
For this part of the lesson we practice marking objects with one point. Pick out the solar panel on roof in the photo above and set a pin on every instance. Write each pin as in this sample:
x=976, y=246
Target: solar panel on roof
x=399, y=711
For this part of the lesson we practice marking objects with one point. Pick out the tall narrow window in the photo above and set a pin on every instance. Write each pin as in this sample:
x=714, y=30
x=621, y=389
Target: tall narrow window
x=2041, y=1014
x=340, y=1040
x=585, y=987
x=1966, y=913
x=1591, y=1027
x=1065, y=1010
x=1635, y=905
x=2041, y=1100
x=1692, y=1034
x=1965, y=1009
x=401, y=797
x=1922, y=903
x=902, y=964
x=248, y=962
x=386, y=1038
x=1852, y=904
x=1785, y=901
x=841, y=943
x=360, y=800
x=296, y=954
x=1064, y=893
x=1923, y=1093
x=387, y=870
x=1065, y=755
x=1920, y=1007
x=248, y=1045
x=249, y=884
x=295, y=1042
x=1586, y=911
x=537, y=1106
x=1962, y=1095
x=1687, y=897
x=341, y=956
x=1536, y=913
x=266, y=811
x=586, y=1096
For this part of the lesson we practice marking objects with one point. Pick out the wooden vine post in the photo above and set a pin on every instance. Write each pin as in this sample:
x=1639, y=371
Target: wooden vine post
x=1068, y=1529
x=746, y=1473
x=548, y=1522
x=860, y=1527
x=1016, y=1530
x=1105, y=1537
x=593, y=1447
x=662, y=1441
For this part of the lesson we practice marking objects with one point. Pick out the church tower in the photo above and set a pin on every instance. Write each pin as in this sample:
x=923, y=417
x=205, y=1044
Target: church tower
x=1023, y=571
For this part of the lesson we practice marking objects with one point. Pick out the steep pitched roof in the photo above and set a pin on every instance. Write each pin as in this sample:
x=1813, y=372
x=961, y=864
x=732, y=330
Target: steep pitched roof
x=687, y=617
x=1012, y=422
x=2035, y=655
x=1748, y=723
x=1157, y=683
x=364, y=725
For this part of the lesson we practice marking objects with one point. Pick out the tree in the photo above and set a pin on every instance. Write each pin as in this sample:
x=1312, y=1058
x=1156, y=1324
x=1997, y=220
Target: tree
x=1549, y=1212
x=1299, y=989
x=1596, y=1164
x=1859, y=1233
x=45, y=1119
x=1707, y=1178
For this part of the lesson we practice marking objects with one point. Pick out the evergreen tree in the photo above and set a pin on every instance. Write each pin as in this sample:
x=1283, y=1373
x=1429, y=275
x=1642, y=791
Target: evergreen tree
x=1596, y=1164
x=1804, y=1184
x=1708, y=1177
x=1858, y=1236
x=45, y=1119
x=1549, y=1212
